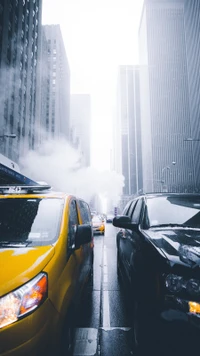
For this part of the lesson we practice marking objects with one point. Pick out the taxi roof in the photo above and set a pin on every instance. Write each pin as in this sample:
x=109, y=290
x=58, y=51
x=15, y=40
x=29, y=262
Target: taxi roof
x=14, y=184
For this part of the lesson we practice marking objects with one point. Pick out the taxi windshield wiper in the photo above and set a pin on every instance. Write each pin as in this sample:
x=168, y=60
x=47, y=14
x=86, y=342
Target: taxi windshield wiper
x=170, y=225
x=14, y=243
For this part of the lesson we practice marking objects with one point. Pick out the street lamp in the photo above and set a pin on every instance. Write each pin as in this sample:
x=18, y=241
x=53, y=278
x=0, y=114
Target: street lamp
x=162, y=175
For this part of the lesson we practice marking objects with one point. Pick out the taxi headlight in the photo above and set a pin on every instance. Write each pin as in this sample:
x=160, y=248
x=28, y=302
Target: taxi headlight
x=23, y=300
x=193, y=287
x=174, y=283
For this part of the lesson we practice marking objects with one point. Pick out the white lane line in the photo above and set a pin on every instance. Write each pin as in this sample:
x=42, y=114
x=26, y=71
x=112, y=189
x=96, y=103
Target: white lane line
x=105, y=266
x=104, y=256
x=106, y=310
x=105, y=294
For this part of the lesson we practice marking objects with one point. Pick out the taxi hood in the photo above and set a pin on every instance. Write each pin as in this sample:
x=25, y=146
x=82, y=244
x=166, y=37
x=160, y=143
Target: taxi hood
x=179, y=245
x=19, y=265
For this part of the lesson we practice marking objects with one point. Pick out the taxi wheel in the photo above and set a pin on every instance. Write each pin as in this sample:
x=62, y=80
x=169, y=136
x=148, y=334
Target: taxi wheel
x=67, y=341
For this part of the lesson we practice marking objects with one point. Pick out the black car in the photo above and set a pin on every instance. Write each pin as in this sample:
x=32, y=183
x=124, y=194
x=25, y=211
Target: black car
x=158, y=257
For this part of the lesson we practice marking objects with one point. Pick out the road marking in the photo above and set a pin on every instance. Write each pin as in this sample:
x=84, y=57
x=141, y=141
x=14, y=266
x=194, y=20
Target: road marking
x=105, y=266
x=85, y=342
x=105, y=294
x=124, y=328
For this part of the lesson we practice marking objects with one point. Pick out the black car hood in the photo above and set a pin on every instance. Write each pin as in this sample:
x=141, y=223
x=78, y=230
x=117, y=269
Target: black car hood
x=179, y=245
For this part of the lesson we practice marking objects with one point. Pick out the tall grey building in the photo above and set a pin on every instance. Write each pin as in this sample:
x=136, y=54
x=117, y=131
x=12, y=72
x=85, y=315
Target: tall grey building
x=80, y=123
x=127, y=129
x=55, y=77
x=20, y=25
x=165, y=98
x=192, y=31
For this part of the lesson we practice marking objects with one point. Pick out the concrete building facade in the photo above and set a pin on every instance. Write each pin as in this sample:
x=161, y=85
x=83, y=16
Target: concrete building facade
x=55, y=77
x=127, y=128
x=165, y=92
x=20, y=26
x=80, y=123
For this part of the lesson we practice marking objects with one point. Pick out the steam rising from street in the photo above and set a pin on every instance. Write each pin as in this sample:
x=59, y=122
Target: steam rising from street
x=58, y=164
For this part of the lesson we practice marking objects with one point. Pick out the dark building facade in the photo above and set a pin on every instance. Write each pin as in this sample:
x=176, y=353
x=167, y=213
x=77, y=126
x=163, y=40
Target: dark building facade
x=166, y=85
x=55, y=78
x=127, y=140
x=20, y=26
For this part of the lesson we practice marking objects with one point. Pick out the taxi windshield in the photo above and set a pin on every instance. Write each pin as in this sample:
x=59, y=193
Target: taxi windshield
x=29, y=221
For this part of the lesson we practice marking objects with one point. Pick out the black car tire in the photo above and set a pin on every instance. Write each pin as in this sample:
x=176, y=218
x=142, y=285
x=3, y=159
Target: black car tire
x=144, y=329
x=118, y=266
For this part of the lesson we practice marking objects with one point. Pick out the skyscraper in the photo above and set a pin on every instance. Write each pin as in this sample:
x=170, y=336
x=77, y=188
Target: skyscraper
x=192, y=31
x=168, y=161
x=55, y=103
x=20, y=25
x=80, y=123
x=127, y=140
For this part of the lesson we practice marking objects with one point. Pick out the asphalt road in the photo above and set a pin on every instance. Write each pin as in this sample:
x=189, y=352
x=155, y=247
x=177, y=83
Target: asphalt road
x=103, y=324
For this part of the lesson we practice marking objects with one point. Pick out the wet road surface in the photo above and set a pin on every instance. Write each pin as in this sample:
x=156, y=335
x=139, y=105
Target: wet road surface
x=103, y=323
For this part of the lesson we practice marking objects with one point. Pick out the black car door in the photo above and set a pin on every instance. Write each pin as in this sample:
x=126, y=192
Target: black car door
x=131, y=240
x=124, y=236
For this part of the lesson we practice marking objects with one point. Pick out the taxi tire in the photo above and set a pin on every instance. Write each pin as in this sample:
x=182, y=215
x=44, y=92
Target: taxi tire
x=67, y=339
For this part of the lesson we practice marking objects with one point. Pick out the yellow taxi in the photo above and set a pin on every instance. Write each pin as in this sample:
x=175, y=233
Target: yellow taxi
x=98, y=225
x=46, y=257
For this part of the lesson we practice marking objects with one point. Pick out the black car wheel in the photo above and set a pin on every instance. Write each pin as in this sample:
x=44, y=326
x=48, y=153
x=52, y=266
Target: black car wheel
x=118, y=264
x=144, y=329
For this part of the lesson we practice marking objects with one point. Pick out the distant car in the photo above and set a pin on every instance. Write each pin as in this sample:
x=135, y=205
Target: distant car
x=98, y=225
x=109, y=217
x=158, y=258
x=46, y=248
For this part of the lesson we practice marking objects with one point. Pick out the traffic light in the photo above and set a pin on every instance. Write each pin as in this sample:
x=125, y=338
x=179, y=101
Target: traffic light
x=115, y=211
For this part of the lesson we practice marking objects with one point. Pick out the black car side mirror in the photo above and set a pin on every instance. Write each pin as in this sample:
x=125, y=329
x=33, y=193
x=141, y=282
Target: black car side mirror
x=124, y=222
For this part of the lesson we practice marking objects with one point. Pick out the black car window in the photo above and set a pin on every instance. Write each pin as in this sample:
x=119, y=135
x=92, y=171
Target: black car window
x=132, y=207
x=126, y=209
x=73, y=222
x=85, y=212
x=136, y=212
x=129, y=208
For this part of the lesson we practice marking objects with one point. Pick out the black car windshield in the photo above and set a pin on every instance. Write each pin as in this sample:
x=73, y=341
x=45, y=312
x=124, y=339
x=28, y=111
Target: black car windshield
x=173, y=211
x=29, y=222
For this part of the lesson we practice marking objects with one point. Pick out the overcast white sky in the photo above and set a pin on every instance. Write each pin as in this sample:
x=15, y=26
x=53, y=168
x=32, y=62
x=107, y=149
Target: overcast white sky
x=99, y=35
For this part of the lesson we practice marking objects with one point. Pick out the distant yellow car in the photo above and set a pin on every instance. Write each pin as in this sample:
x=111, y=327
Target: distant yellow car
x=46, y=257
x=98, y=225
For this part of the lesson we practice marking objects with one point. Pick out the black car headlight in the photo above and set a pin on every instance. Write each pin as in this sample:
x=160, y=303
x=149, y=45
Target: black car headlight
x=174, y=283
x=193, y=287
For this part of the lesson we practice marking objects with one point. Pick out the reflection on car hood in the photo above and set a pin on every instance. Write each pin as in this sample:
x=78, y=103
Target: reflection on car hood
x=19, y=265
x=180, y=245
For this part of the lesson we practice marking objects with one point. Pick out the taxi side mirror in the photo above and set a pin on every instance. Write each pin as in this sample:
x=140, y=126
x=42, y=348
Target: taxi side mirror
x=83, y=235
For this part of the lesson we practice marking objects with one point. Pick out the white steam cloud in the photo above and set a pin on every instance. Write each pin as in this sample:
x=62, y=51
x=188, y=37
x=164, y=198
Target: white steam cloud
x=58, y=164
